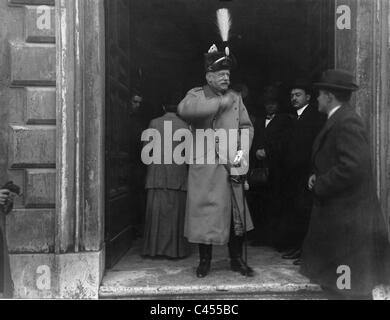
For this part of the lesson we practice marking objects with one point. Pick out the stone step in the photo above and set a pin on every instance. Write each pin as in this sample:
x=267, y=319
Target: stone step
x=139, y=278
x=226, y=292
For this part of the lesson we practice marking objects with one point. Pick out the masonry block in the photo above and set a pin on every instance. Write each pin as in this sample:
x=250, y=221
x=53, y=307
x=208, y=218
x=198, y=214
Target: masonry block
x=32, y=147
x=33, y=64
x=49, y=276
x=40, y=24
x=40, y=105
x=81, y=275
x=34, y=276
x=30, y=231
x=40, y=188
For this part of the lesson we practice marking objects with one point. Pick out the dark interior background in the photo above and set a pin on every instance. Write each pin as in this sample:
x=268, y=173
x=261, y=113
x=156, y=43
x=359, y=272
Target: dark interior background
x=273, y=41
x=157, y=46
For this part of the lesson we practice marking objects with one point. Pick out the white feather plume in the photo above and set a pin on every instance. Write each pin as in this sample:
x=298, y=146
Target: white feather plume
x=224, y=22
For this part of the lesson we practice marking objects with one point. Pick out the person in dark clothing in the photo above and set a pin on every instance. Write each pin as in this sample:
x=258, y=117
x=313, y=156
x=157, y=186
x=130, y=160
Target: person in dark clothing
x=137, y=170
x=297, y=200
x=166, y=186
x=6, y=284
x=347, y=237
x=269, y=145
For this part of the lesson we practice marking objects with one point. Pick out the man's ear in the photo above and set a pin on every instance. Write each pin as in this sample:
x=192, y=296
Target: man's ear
x=209, y=77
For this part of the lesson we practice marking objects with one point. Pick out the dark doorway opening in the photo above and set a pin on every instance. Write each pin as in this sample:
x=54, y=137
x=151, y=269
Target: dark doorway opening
x=158, y=47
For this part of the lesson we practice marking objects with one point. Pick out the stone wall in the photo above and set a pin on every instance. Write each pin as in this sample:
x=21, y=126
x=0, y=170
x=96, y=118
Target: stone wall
x=28, y=138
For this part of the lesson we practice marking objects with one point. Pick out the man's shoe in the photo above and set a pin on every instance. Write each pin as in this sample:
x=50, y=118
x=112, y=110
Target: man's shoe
x=203, y=269
x=238, y=265
x=293, y=256
x=298, y=262
x=205, y=253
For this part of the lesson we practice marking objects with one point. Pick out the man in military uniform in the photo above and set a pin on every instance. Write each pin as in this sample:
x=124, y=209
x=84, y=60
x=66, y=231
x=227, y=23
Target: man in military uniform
x=217, y=213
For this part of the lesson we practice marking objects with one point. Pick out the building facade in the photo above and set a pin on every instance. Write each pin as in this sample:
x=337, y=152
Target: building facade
x=52, y=133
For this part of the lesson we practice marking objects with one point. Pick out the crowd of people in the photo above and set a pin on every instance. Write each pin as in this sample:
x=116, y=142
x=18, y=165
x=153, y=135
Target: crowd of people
x=309, y=190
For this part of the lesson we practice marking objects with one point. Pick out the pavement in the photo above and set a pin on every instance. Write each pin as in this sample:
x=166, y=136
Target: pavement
x=135, y=277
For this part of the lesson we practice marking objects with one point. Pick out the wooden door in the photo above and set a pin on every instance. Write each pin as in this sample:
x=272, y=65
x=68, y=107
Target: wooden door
x=321, y=35
x=118, y=196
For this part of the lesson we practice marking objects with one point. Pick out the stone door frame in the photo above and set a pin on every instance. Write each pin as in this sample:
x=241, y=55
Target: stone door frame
x=80, y=161
x=80, y=126
x=364, y=49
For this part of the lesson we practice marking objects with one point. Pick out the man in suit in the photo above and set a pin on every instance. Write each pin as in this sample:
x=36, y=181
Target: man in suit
x=347, y=229
x=297, y=200
x=269, y=144
x=216, y=206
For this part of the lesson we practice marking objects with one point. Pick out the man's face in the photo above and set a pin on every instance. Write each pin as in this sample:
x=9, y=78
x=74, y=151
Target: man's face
x=136, y=102
x=219, y=80
x=323, y=101
x=299, y=98
x=271, y=108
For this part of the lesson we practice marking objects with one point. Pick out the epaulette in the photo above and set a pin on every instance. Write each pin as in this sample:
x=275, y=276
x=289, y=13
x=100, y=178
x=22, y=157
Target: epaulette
x=195, y=90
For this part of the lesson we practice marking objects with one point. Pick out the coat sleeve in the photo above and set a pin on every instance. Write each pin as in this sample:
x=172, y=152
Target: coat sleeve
x=351, y=160
x=246, y=123
x=196, y=106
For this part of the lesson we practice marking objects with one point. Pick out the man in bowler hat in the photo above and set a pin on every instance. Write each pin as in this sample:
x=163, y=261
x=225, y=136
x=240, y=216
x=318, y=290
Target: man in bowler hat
x=346, y=249
x=215, y=212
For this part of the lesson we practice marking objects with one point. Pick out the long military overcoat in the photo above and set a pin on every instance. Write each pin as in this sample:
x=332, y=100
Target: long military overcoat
x=211, y=196
x=347, y=233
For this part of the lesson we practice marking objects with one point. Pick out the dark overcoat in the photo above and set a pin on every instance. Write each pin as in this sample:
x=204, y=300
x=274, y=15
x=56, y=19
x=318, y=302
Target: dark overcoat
x=265, y=201
x=6, y=284
x=211, y=196
x=297, y=201
x=347, y=227
x=273, y=139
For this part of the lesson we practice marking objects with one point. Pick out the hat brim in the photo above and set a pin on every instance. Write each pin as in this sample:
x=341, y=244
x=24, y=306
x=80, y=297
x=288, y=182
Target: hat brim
x=325, y=85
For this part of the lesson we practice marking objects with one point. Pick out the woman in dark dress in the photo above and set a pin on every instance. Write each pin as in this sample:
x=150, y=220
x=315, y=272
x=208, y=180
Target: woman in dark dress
x=166, y=186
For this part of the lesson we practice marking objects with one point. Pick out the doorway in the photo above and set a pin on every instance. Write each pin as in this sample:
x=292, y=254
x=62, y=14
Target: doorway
x=156, y=47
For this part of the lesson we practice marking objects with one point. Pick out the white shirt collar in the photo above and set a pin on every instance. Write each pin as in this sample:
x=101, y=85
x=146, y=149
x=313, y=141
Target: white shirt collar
x=302, y=110
x=333, y=111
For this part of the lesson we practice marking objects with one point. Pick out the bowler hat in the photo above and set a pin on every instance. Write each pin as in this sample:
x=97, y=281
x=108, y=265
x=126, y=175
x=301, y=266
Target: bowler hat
x=337, y=79
x=216, y=61
x=303, y=84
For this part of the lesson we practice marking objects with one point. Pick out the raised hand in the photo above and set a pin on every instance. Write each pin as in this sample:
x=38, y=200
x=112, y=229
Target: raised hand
x=227, y=100
x=4, y=196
